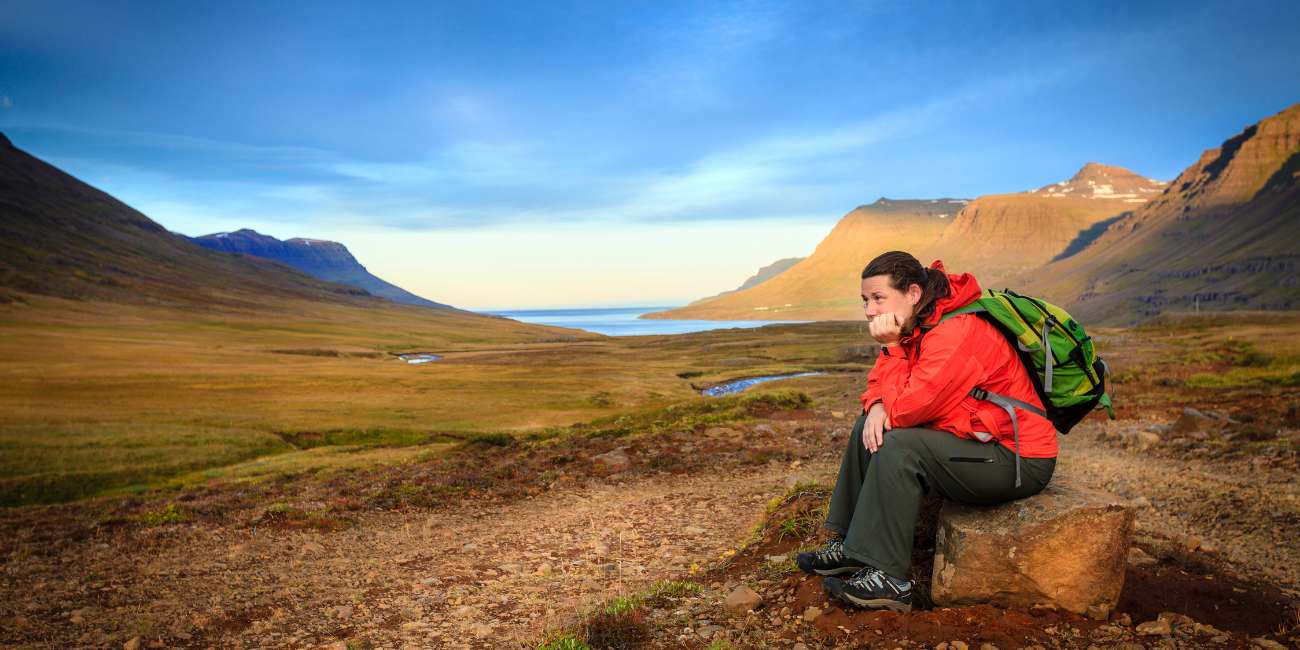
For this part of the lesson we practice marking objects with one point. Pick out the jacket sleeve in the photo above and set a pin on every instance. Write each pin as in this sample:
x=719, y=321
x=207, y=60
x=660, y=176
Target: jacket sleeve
x=939, y=380
x=879, y=370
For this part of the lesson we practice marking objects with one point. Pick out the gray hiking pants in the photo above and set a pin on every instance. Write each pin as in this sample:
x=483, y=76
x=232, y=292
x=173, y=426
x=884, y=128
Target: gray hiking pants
x=877, y=496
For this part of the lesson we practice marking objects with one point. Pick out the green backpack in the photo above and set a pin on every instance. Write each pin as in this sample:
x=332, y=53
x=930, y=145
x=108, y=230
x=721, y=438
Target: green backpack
x=1071, y=382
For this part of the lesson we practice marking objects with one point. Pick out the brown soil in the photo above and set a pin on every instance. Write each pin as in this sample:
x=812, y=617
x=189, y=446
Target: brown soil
x=495, y=546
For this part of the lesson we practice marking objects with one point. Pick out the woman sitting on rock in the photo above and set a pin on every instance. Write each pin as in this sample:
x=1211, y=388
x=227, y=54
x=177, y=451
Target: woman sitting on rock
x=920, y=429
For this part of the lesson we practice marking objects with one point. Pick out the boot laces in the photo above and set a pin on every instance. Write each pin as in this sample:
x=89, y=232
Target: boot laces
x=832, y=553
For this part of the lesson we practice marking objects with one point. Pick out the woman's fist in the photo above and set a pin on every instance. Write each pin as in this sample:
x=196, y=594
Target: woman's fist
x=886, y=328
x=873, y=433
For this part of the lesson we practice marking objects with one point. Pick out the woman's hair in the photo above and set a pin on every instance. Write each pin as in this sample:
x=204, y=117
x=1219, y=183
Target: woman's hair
x=903, y=271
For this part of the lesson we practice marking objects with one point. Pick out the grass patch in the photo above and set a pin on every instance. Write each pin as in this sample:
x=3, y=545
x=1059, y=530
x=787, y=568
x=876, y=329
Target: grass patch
x=171, y=514
x=283, y=515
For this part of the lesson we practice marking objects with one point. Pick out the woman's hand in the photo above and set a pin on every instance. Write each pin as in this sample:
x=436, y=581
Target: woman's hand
x=873, y=434
x=886, y=328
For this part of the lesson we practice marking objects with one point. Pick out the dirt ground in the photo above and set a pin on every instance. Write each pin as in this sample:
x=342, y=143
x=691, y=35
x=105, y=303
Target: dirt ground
x=505, y=571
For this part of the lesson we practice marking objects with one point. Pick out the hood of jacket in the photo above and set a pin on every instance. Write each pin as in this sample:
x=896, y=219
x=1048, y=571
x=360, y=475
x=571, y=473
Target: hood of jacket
x=963, y=289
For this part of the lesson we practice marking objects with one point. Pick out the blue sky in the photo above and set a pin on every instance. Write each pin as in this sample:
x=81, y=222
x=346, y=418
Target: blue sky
x=496, y=155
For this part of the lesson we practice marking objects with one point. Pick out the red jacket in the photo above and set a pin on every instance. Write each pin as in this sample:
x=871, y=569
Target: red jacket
x=925, y=381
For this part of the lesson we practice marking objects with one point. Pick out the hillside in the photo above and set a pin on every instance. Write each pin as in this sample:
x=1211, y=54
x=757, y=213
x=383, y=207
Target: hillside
x=326, y=260
x=1223, y=235
x=999, y=235
x=825, y=285
x=62, y=240
x=763, y=274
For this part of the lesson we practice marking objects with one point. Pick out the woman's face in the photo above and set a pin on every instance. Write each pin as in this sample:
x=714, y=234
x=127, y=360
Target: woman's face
x=879, y=298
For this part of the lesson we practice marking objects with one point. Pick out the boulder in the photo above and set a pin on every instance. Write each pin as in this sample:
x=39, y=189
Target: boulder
x=1066, y=546
x=615, y=460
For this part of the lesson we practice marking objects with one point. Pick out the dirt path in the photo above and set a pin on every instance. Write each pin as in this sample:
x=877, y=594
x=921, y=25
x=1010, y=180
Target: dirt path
x=478, y=577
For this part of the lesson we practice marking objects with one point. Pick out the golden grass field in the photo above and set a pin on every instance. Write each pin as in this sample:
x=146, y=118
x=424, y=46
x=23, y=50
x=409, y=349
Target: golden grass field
x=105, y=398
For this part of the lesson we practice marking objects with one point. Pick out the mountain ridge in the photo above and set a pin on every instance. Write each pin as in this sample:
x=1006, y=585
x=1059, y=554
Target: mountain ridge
x=319, y=258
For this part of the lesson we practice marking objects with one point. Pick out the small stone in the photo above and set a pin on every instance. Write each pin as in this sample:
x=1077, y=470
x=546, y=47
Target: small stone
x=707, y=631
x=958, y=645
x=76, y=618
x=742, y=599
x=133, y=644
x=1099, y=612
x=1158, y=627
x=694, y=530
x=616, y=459
x=1125, y=620
x=1139, y=558
x=544, y=569
x=988, y=646
x=312, y=547
x=1266, y=644
x=343, y=612
x=777, y=559
x=838, y=415
x=1146, y=440
x=811, y=614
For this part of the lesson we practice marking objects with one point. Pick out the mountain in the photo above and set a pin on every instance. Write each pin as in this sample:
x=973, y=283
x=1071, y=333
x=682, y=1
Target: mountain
x=1224, y=235
x=327, y=260
x=764, y=274
x=1000, y=235
x=826, y=285
x=62, y=240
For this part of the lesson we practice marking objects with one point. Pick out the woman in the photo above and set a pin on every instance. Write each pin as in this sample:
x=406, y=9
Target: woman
x=921, y=429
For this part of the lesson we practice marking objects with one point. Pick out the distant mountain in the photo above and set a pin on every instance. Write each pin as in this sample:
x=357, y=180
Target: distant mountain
x=764, y=274
x=1224, y=235
x=327, y=260
x=1000, y=235
x=826, y=285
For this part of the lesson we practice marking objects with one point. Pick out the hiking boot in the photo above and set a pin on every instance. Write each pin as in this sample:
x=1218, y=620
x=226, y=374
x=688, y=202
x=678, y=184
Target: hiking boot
x=871, y=588
x=829, y=561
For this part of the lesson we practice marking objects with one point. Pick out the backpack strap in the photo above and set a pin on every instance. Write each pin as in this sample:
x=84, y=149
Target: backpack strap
x=1009, y=404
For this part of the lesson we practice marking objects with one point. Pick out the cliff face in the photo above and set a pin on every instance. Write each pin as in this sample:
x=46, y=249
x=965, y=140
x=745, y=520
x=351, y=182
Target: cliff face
x=318, y=258
x=1223, y=235
x=826, y=285
x=1000, y=235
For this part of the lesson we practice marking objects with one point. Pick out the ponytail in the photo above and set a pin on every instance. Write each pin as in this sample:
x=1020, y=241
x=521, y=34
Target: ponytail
x=904, y=270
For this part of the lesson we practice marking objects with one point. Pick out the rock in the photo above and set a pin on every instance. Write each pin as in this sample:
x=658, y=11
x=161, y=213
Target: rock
x=694, y=530
x=811, y=614
x=1065, y=546
x=707, y=631
x=1125, y=620
x=1146, y=440
x=1099, y=612
x=838, y=415
x=1139, y=558
x=958, y=645
x=615, y=459
x=343, y=612
x=481, y=630
x=1266, y=644
x=988, y=646
x=1158, y=627
x=741, y=600
x=133, y=644
x=1192, y=421
x=544, y=569
x=312, y=547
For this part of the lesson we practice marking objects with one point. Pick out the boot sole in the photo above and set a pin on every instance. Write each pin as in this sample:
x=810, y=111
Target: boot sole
x=830, y=572
x=878, y=603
